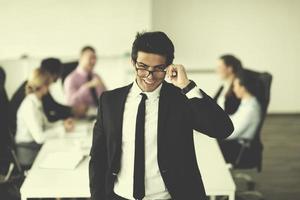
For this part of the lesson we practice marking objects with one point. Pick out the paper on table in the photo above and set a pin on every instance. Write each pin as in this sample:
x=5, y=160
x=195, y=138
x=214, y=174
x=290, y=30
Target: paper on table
x=80, y=130
x=61, y=160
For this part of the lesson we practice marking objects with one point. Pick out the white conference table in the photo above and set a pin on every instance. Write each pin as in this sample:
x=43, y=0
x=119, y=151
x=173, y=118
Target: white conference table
x=59, y=183
x=215, y=173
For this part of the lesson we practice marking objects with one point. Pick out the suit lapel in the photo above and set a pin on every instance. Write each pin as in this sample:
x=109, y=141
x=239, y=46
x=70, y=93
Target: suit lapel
x=119, y=111
x=163, y=110
x=118, y=104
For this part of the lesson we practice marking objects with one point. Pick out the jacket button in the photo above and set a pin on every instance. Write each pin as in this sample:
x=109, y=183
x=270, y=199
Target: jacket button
x=164, y=171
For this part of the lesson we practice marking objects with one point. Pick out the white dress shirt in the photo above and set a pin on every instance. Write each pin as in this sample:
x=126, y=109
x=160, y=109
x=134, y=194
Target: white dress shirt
x=31, y=121
x=246, y=119
x=154, y=184
x=56, y=90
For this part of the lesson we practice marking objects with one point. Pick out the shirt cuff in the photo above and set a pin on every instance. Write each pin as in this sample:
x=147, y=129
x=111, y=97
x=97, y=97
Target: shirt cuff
x=194, y=93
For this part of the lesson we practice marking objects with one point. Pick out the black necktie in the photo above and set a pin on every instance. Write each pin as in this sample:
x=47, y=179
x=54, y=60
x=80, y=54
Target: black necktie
x=93, y=90
x=139, y=157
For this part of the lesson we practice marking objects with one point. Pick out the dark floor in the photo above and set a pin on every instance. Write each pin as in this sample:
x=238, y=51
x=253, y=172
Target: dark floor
x=280, y=176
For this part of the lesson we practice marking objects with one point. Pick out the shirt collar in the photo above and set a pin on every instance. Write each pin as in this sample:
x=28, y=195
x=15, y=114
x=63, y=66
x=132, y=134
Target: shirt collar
x=227, y=85
x=246, y=100
x=136, y=90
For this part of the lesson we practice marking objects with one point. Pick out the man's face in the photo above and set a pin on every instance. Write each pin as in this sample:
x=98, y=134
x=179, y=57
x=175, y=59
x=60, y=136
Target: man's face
x=223, y=70
x=152, y=62
x=88, y=60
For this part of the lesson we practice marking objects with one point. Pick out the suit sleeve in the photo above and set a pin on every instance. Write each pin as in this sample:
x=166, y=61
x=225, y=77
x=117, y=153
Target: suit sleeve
x=98, y=162
x=208, y=117
x=55, y=111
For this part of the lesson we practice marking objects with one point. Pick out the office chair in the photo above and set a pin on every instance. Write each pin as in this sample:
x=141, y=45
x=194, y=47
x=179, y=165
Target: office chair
x=8, y=124
x=14, y=105
x=67, y=69
x=10, y=181
x=11, y=174
x=250, y=155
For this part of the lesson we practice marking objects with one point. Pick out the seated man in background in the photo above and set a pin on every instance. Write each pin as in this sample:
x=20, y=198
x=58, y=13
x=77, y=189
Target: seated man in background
x=32, y=124
x=228, y=66
x=53, y=110
x=246, y=119
x=83, y=86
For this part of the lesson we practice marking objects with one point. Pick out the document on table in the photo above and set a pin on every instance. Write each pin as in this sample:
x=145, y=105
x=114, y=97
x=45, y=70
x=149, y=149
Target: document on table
x=61, y=160
x=80, y=130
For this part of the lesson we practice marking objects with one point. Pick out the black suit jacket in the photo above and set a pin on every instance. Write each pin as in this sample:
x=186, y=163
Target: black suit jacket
x=232, y=103
x=177, y=118
x=53, y=110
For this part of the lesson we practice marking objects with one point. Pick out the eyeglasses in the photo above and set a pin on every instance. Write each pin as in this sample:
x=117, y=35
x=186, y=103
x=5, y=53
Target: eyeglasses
x=142, y=70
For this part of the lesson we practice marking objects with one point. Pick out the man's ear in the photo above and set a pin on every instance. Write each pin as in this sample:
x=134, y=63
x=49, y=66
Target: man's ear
x=133, y=62
x=230, y=69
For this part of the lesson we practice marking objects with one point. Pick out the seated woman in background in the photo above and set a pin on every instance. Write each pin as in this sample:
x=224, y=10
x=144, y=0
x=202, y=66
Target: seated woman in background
x=32, y=124
x=228, y=67
x=53, y=109
x=245, y=120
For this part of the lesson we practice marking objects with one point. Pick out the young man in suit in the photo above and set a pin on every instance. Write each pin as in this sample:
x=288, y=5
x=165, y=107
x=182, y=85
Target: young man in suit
x=228, y=67
x=143, y=144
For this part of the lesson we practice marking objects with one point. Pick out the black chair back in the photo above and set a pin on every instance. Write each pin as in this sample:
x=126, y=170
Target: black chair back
x=251, y=153
x=263, y=91
x=67, y=69
x=5, y=141
x=14, y=104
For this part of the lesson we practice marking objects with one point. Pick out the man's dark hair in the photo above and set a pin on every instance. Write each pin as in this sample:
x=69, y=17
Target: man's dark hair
x=52, y=66
x=87, y=48
x=233, y=62
x=2, y=77
x=153, y=42
x=248, y=80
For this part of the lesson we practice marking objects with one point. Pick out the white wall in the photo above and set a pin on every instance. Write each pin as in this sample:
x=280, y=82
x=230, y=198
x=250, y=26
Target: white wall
x=264, y=34
x=62, y=27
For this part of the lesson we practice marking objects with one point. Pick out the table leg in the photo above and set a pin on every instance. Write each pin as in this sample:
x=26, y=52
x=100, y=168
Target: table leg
x=231, y=196
x=212, y=197
x=23, y=197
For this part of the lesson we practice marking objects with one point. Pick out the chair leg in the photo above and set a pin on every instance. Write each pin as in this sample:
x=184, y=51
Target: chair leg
x=250, y=195
x=248, y=179
x=251, y=185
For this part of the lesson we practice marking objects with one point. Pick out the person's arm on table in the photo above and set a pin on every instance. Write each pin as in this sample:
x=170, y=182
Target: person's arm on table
x=55, y=111
x=74, y=94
